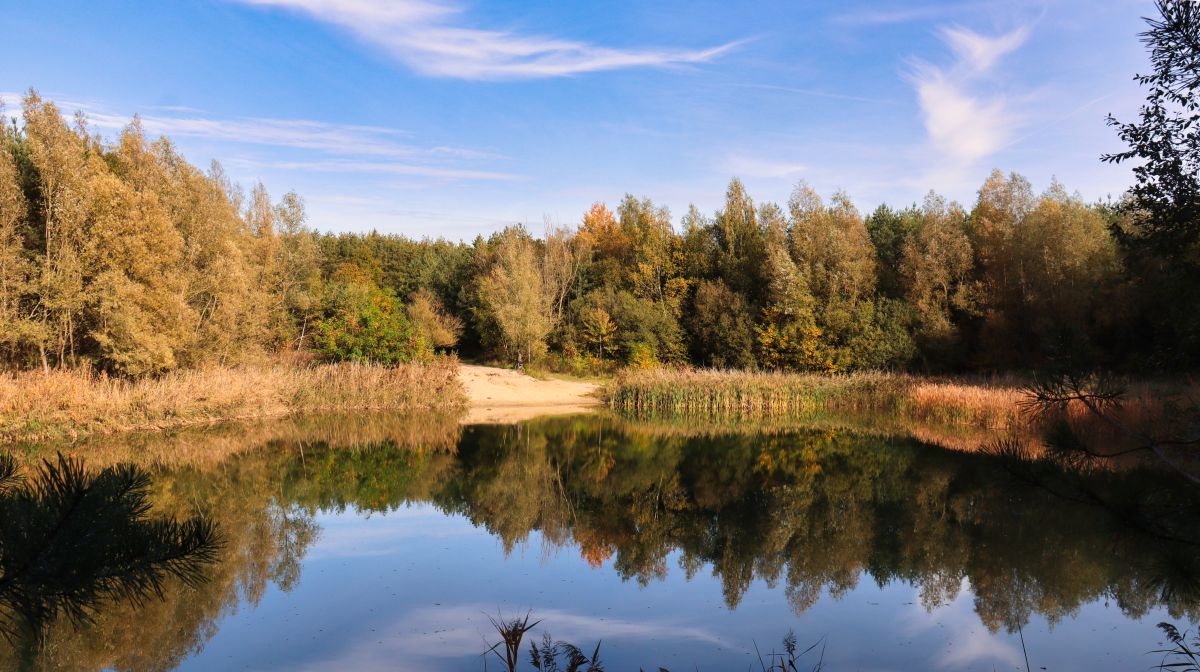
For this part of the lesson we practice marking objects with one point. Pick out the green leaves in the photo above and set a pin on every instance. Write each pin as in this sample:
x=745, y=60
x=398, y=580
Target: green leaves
x=366, y=324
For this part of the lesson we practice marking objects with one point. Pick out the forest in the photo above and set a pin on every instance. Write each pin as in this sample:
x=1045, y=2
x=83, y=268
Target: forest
x=119, y=256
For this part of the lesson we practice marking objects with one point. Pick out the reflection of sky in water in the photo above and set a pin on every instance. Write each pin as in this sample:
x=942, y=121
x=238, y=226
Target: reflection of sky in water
x=411, y=590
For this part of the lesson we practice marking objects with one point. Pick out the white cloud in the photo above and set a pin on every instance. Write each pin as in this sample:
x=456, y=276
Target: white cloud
x=294, y=133
x=978, y=53
x=964, y=126
x=428, y=37
x=376, y=167
x=971, y=645
x=339, y=148
x=430, y=633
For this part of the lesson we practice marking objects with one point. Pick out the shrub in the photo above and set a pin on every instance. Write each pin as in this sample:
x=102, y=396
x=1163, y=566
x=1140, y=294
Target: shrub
x=366, y=324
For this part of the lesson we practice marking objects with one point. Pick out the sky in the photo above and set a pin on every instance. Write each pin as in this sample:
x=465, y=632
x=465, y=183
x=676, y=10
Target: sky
x=454, y=118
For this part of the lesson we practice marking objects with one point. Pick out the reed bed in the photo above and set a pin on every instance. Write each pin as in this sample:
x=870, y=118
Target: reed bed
x=67, y=404
x=767, y=396
x=993, y=405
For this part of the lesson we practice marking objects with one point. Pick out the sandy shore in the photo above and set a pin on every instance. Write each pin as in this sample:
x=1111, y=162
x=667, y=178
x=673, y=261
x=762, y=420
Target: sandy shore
x=503, y=395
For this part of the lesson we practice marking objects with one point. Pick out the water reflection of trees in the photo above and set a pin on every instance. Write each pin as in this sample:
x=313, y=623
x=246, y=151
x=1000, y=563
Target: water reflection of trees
x=809, y=511
x=261, y=544
x=815, y=510
x=261, y=484
x=75, y=541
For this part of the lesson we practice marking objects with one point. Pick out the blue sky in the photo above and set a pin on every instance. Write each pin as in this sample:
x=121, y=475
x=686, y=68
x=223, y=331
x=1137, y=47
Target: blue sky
x=456, y=117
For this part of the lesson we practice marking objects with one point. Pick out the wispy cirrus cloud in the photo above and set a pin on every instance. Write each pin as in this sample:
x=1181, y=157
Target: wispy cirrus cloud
x=978, y=53
x=322, y=146
x=965, y=126
x=430, y=37
x=377, y=167
x=293, y=133
x=426, y=637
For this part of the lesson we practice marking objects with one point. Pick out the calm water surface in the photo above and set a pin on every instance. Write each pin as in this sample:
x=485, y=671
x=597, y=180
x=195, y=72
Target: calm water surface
x=674, y=549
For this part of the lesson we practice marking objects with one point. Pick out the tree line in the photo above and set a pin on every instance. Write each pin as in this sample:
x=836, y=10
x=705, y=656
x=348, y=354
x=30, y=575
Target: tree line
x=124, y=257
x=121, y=256
x=1018, y=281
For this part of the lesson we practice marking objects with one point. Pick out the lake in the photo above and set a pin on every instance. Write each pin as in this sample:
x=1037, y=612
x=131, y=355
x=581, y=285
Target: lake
x=390, y=544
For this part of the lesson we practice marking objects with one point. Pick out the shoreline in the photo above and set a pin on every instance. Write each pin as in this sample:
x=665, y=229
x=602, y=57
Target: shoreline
x=71, y=405
x=67, y=405
x=504, y=396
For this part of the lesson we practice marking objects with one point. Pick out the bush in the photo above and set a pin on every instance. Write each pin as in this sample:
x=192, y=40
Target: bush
x=366, y=324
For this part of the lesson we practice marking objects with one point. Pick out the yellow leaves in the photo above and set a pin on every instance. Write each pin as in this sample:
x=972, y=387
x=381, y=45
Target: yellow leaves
x=790, y=346
x=515, y=295
x=642, y=358
x=781, y=463
x=15, y=270
x=936, y=266
x=441, y=329
x=139, y=261
x=134, y=332
x=349, y=273
x=601, y=232
x=597, y=220
x=599, y=331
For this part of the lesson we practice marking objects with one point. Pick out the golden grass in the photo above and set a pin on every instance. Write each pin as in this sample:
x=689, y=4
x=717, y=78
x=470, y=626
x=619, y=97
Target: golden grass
x=989, y=405
x=66, y=404
x=708, y=393
x=961, y=414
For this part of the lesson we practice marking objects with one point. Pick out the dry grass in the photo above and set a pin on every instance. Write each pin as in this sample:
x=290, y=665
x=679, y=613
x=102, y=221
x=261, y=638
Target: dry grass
x=209, y=447
x=962, y=414
x=990, y=405
x=708, y=393
x=66, y=404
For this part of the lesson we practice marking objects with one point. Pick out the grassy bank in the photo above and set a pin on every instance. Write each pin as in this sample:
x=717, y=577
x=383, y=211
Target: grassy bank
x=765, y=396
x=64, y=404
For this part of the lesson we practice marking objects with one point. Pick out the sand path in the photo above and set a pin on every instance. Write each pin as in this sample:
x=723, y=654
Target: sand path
x=503, y=395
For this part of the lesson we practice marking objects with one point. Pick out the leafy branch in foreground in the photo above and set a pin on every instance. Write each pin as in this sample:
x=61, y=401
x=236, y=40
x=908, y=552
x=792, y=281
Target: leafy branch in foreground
x=1167, y=190
x=1102, y=398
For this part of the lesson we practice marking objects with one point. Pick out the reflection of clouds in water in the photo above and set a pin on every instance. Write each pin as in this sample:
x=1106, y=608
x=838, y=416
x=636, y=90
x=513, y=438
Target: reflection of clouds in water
x=969, y=641
x=348, y=535
x=458, y=631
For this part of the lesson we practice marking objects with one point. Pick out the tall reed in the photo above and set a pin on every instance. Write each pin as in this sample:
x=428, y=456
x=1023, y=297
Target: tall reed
x=768, y=395
x=60, y=404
